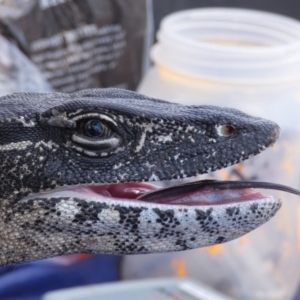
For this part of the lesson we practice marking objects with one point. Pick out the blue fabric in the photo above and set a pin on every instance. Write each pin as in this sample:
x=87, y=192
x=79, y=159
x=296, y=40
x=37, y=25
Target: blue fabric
x=29, y=281
x=297, y=296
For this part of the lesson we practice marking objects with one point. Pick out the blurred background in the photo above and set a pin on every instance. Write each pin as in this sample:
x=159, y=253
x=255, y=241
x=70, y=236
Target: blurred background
x=227, y=53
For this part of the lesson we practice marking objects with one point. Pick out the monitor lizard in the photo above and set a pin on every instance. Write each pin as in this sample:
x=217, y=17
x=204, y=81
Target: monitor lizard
x=74, y=166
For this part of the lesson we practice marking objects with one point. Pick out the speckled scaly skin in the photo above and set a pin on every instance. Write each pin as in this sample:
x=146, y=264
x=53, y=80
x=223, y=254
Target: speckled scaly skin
x=42, y=148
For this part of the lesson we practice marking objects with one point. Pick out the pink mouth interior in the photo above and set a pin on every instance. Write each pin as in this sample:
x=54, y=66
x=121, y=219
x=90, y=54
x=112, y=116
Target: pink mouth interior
x=132, y=191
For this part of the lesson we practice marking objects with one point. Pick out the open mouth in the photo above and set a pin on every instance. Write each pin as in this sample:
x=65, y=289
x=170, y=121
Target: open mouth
x=199, y=193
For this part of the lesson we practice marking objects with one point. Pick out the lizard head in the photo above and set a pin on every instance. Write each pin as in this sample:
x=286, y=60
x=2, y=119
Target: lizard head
x=72, y=166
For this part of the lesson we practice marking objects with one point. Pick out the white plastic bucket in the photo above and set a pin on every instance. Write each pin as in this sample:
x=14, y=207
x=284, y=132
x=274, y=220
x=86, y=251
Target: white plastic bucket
x=230, y=45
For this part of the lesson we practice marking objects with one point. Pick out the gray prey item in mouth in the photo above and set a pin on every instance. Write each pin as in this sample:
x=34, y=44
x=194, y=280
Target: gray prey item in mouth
x=212, y=192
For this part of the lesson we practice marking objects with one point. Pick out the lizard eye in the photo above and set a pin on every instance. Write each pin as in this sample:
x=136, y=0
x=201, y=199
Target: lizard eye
x=95, y=135
x=94, y=128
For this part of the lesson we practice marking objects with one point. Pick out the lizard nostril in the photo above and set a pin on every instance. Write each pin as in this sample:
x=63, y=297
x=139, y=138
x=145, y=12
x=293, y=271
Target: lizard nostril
x=226, y=130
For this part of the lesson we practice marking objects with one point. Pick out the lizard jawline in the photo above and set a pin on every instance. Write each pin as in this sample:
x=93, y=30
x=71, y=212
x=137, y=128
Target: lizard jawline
x=133, y=191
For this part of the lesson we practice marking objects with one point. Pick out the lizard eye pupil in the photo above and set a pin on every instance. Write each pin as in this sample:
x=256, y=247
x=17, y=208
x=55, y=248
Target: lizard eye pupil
x=94, y=128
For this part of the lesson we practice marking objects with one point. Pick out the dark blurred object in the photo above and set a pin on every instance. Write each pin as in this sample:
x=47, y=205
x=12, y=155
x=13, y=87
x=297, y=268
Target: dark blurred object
x=289, y=8
x=81, y=44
